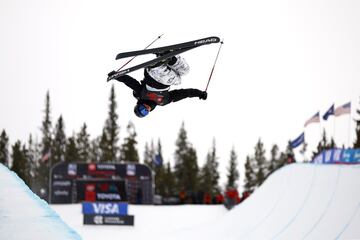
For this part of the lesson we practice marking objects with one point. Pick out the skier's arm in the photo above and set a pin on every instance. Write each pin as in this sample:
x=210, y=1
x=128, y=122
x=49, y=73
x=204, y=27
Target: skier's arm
x=130, y=82
x=179, y=94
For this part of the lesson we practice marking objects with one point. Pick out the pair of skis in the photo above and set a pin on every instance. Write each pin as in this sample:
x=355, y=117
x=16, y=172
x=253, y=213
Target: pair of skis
x=170, y=50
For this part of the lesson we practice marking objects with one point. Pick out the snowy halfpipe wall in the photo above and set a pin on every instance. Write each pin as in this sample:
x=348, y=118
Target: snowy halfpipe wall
x=300, y=201
x=23, y=215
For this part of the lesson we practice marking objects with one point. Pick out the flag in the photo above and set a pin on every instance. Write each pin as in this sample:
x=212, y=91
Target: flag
x=344, y=109
x=46, y=157
x=313, y=119
x=298, y=141
x=158, y=160
x=329, y=112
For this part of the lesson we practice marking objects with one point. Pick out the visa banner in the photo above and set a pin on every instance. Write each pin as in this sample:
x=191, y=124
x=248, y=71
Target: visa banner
x=105, y=208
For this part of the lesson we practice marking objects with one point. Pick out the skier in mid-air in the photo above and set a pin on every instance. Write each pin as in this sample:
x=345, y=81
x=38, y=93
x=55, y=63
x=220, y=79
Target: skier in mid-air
x=154, y=89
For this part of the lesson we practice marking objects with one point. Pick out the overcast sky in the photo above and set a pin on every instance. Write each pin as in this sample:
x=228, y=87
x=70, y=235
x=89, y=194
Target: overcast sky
x=281, y=62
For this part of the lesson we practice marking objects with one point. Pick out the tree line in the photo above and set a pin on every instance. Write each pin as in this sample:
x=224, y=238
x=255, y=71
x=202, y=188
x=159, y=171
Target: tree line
x=33, y=159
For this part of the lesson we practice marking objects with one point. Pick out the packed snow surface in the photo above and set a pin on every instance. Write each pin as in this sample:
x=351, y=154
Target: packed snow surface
x=300, y=201
x=24, y=216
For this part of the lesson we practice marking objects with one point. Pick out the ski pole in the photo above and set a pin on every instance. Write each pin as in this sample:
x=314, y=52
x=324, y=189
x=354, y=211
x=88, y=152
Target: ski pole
x=144, y=49
x=212, y=70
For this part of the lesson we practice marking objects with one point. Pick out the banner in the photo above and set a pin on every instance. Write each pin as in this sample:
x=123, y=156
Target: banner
x=94, y=219
x=338, y=156
x=108, y=208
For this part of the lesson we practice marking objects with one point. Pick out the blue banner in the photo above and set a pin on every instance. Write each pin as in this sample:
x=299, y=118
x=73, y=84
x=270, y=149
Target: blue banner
x=338, y=155
x=106, y=208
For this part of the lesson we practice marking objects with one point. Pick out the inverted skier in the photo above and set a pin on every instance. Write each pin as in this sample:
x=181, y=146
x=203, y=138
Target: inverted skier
x=154, y=89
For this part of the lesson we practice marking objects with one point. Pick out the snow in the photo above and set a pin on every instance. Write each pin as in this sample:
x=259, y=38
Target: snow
x=150, y=221
x=300, y=201
x=24, y=216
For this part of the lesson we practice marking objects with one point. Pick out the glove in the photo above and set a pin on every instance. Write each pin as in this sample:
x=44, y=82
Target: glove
x=203, y=95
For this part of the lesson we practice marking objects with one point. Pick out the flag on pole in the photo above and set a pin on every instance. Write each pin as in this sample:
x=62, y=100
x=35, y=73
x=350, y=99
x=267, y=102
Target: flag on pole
x=298, y=141
x=313, y=119
x=46, y=157
x=329, y=112
x=158, y=160
x=344, y=109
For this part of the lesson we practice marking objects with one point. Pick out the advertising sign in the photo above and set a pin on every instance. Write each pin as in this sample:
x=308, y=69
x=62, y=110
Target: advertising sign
x=338, y=156
x=107, y=208
x=94, y=219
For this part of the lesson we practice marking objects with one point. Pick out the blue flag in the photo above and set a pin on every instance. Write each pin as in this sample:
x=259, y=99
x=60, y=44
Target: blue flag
x=158, y=160
x=329, y=112
x=298, y=141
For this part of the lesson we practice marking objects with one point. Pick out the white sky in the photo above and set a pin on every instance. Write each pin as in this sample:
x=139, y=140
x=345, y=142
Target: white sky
x=282, y=61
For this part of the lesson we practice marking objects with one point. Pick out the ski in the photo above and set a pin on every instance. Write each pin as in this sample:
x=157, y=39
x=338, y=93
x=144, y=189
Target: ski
x=151, y=62
x=189, y=44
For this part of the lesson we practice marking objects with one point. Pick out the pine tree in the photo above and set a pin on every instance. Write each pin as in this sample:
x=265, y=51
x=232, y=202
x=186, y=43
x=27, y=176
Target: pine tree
x=287, y=157
x=250, y=175
x=4, y=148
x=110, y=137
x=83, y=144
x=95, y=152
x=71, y=151
x=209, y=176
x=104, y=153
x=59, y=142
x=233, y=173
x=191, y=171
x=33, y=155
x=261, y=163
x=303, y=151
x=169, y=179
x=357, y=129
x=46, y=143
x=186, y=167
x=129, y=152
x=323, y=145
x=149, y=154
x=160, y=173
x=19, y=164
x=273, y=159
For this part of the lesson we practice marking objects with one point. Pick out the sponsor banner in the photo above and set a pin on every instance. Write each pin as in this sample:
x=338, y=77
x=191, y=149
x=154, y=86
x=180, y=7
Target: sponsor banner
x=72, y=169
x=107, y=208
x=65, y=183
x=339, y=156
x=108, y=197
x=97, y=219
x=131, y=170
x=63, y=192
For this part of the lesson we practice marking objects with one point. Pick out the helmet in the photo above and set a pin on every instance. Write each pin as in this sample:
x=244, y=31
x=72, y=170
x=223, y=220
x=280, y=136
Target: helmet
x=141, y=110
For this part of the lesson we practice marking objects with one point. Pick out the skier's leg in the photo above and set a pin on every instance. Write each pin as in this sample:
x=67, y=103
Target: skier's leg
x=164, y=75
